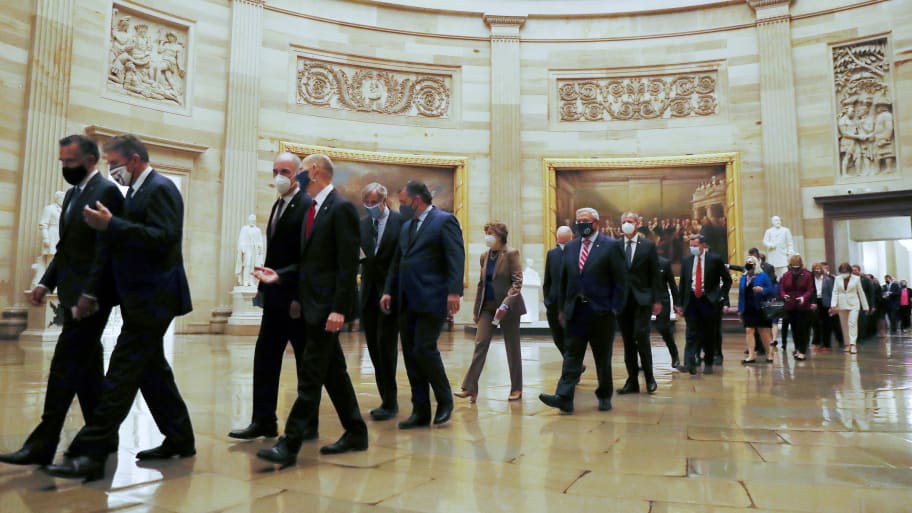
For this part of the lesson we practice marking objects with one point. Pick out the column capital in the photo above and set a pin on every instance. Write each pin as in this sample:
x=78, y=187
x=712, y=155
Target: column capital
x=504, y=27
x=770, y=10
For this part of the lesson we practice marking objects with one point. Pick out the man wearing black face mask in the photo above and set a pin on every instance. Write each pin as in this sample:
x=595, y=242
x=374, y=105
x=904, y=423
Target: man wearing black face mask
x=80, y=271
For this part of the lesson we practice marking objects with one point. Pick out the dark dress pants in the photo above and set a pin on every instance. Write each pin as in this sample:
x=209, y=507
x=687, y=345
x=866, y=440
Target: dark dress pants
x=703, y=319
x=595, y=329
x=322, y=363
x=823, y=325
x=799, y=320
x=557, y=331
x=419, y=332
x=137, y=364
x=666, y=329
x=382, y=333
x=77, y=370
x=277, y=329
x=634, y=323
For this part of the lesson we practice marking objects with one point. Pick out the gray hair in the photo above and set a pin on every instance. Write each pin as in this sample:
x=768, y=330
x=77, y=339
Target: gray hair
x=588, y=210
x=564, y=229
x=289, y=157
x=374, y=187
x=322, y=161
x=629, y=214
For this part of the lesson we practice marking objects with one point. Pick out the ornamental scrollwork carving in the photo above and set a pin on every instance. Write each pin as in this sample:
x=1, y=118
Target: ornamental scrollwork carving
x=864, y=117
x=637, y=98
x=366, y=89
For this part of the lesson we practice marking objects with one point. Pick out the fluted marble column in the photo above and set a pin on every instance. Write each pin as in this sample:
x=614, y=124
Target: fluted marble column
x=779, y=115
x=240, y=163
x=506, y=152
x=49, y=90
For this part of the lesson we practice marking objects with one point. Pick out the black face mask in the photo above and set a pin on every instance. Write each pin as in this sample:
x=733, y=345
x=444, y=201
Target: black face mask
x=407, y=211
x=749, y=267
x=74, y=175
x=303, y=179
x=584, y=229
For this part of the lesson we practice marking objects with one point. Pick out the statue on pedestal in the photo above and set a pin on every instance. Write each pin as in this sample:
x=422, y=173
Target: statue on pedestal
x=531, y=292
x=778, y=242
x=48, y=227
x=249, y=252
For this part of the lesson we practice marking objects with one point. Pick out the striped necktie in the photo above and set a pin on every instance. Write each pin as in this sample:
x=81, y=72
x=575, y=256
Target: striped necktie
x=584, y=254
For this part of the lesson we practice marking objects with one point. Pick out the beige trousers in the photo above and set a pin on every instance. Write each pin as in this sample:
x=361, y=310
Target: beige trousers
x=510, y=328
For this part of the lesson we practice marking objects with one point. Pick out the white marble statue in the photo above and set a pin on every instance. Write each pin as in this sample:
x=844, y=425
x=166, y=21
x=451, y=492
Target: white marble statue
x=249, y=252
x=779, y=246
x=531, y=292
x=48, y=227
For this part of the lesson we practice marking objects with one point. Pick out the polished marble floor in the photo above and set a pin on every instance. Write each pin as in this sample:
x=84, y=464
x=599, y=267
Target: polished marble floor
x=832, y=434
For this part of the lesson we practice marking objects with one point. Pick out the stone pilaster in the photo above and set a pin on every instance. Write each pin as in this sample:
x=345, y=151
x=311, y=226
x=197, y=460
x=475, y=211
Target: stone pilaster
x=241, y=128
x=506, y=152
x=779, y=115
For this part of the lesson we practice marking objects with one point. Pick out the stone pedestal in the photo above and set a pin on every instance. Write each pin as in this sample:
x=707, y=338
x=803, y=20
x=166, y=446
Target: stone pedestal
x=41, y=327
x=245, y=318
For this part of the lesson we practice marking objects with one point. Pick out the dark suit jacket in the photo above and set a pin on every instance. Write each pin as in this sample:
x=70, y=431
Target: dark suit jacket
x=602, y=279
x=667, y=280
x=826, y=291
x=283, y=248
x=891, y=295
x=770, y=272
x=375, y=268
x=146, y=251
x=551, y=283
x=717, y=281
x=506, y=282
x=642, y=275
x=431, y=267
x=82, y=264
x=327, y=265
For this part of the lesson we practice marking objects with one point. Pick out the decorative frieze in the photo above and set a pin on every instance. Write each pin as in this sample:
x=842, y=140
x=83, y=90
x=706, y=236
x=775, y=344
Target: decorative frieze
x=372, y=89
x=626, y=98
x=864, y=117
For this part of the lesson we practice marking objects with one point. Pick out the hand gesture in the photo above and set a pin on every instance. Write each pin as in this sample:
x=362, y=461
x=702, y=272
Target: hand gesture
x=656, y=308
x=265, y=274
x=500, y=313
x=85, y=307
x=453, y=304
x=335, y=322
x=97, y=219
x=294, y=311
x=386, y=303
x=36, y=297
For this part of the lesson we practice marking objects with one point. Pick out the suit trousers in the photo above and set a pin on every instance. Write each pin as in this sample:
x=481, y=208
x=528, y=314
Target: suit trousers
x=666, y=329
x=557, y=331
x=277, y=329
x=322, y=363
x=904, y=316
x=595, y=329
x=419, y=332
x=823, y=325
x=702, y=333
x=849, y=321
x=634, y=323
x=485, y=331
x=382, y=333
x=77, y=370
x=800, y=322
x=137, y=364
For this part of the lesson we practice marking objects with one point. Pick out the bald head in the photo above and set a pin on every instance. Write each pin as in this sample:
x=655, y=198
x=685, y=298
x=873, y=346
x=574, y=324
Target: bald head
x=320, y=172
x=564, y=235
x=288, y=158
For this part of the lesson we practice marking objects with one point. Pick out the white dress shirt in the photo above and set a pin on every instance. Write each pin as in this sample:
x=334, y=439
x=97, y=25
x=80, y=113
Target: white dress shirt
x=381, y=226
x=422, y=217
x=693, y=275
x=633, y=247
x=141, y=179
x=320, y=199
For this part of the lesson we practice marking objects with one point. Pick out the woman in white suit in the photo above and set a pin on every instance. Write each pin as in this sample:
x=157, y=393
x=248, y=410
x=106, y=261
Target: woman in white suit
x=848, y=299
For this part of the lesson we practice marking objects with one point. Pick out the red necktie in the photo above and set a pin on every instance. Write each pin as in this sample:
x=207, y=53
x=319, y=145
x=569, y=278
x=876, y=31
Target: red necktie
x=698, y=279
x=311, y=214
x=584, y=254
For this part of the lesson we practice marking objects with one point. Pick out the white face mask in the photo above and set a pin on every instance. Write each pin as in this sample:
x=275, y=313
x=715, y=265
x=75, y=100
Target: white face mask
x=490, y=240
x=695, y=250
x=628, y=228
x=120, y=175
x=282, y=184
x=844, y=276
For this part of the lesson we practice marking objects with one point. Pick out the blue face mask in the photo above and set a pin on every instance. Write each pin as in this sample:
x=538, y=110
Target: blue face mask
x=374, y=211
x=695, y=250
x=303, y=179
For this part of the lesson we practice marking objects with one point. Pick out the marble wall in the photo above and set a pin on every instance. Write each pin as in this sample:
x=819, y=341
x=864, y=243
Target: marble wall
x=501, y=76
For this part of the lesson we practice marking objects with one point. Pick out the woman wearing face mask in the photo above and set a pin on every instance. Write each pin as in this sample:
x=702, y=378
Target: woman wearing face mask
x=848, y=300
x=796, y=287
x=498, y=301
x=754, y=289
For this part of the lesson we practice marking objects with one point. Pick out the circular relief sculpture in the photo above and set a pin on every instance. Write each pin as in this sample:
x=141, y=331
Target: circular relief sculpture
x=432, y=97
x=316, y=84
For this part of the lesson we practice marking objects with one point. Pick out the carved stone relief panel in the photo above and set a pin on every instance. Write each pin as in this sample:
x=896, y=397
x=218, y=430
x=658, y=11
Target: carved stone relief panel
x=362, y=88
x=864, y=104
x=148, y=58
x=625, y=98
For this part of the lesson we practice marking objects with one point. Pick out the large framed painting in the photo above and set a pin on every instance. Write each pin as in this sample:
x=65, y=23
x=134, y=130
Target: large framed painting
x=676, y=196
x=445, y=176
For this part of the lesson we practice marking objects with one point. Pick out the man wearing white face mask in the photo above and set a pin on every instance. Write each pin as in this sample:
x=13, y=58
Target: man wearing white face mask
x=379, y=239
x=281, y=322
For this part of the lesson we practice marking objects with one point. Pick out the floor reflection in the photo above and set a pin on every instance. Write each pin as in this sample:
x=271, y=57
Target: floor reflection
x=831, y=434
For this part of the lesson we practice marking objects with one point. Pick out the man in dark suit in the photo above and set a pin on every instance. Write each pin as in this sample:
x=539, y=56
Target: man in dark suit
x=379, y=240
x=149, y=278
x=891, y=302
x=642, y=293
x=867, y=321
x=81, y=273
x=326, y=275
x=426, y=282
x=591, y=292
x=823, y=298
x=705, y=283
x=669, y=293
x=281, y=321
x=551, y=285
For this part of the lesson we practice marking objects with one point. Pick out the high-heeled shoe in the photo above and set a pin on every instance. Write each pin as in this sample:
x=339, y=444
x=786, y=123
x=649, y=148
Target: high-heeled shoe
x=515, y=396
x=462, y=394
x=852, y=349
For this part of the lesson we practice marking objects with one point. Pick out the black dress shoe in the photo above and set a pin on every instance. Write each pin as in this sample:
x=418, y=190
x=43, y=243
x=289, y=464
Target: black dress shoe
x=165, y=452
x=384, y=413
x=555, y=401
x=255, y=430
x=604, y=404
x=676, y=364
x=415, y=421
x=651, y=386
x=444, y=412
x=692, y=369
x=347, y=443
x=629, y=388
x=27, y=456
x=80, y=467
x=707, y=369
x=282, y=453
